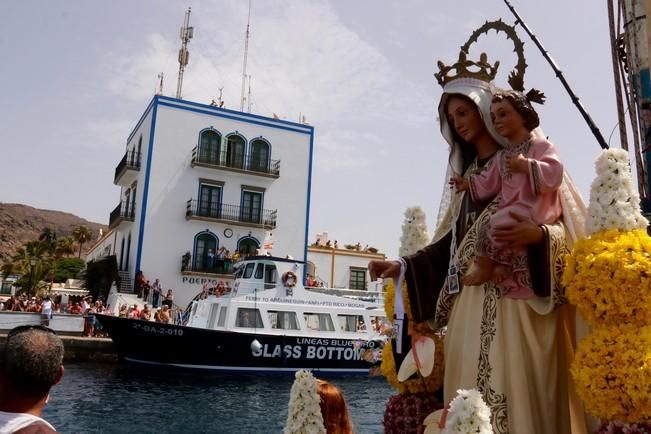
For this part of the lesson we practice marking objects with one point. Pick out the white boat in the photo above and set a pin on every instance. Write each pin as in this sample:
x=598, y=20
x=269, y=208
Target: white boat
x=267, y=322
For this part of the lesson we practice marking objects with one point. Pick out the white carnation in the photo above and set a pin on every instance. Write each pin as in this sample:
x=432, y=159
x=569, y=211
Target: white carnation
x=614, y=201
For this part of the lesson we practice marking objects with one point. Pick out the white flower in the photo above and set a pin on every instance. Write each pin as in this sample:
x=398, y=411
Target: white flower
x=468, y=413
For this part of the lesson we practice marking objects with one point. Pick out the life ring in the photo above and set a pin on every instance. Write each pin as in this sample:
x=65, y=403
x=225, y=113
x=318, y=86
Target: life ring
x=287, y=276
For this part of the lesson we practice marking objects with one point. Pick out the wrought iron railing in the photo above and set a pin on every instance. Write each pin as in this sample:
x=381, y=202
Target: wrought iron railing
x=207, y=264
x=232, y=213
x=123, y=212
x=248, y=163
x=130, y=161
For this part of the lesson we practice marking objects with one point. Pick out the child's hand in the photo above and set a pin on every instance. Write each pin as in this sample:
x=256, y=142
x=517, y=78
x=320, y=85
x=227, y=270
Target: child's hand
x=518, y=164
x=460, y=183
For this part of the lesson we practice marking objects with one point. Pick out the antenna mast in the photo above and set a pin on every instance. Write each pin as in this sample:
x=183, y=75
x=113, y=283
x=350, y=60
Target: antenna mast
x=246, y=54
x=160, y=85
x=249, y=96
x=186, y=34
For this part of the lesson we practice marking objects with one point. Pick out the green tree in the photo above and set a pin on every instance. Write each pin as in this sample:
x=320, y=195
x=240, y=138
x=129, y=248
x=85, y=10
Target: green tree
x=67, y=268
x=32, y=276
x=82, y=235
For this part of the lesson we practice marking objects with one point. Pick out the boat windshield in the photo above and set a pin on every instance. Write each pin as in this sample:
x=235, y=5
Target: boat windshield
x=283, y=320
x=245, y=318
x=351, y=323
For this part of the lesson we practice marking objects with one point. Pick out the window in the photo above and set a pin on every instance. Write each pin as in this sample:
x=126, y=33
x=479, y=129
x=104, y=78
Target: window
x=235, y=151
x=283, y=320
x=212, y=318
x=247, y=246
x=209, y=201
x=122, y=255
x=380, y=324
x=222, y=316
x=351, y=323
x=270, y=276
x=259, y=271
x=205, y=246
x=5, y=288
x=357, y=278
x=209, y=146
x=319, y=322
x=259, y=155
x=251, y=207
x=133, y=200
x=245, y=318
x=248, y=272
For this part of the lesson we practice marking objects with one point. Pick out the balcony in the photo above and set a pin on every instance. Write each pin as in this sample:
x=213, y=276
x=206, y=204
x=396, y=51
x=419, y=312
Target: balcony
x=218, y=267
x=233, y=214
x=249, y=164
x=127, y=169
x=121, y=214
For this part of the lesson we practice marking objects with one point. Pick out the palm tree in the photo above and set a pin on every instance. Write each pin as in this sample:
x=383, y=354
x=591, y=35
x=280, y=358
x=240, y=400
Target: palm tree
x=81, y=234
x=21, y=263
x=65, y=247
x=49, y=238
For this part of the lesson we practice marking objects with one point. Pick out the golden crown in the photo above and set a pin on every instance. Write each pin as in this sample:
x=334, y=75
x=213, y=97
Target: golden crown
x=481, y=70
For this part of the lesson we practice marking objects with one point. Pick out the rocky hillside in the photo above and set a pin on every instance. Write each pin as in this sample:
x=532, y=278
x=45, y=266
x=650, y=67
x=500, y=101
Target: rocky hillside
x=21, y=223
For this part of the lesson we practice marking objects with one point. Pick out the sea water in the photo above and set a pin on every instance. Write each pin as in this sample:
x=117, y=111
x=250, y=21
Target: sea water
x=99, y=398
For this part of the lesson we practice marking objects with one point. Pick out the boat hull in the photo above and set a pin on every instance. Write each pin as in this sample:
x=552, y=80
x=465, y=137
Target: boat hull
x=177, y=346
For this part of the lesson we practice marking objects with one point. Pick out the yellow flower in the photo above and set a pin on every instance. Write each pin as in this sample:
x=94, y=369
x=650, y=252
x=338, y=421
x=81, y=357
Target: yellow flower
x=608, y=277
x=612, y=372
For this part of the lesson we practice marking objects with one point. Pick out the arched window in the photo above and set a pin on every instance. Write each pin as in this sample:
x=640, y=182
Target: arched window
x=205, y=248
x=260, y=152
x=235, y=151
x=247, y=246
x=209, y=146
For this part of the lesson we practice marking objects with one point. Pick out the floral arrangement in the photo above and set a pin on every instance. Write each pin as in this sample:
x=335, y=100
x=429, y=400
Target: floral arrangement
x=388, y=368
x=602, y=270
x=304, y=412
x=614, y=202
x=414, y=232
x=468, y=413
x=608, y=277
x=612, y=371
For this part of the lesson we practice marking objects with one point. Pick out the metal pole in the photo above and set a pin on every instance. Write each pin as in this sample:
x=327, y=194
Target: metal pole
x=618, y=81
x=559, y=74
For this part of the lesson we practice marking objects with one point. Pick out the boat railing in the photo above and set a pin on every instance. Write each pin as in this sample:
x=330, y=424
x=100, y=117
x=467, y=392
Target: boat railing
x=355, y=294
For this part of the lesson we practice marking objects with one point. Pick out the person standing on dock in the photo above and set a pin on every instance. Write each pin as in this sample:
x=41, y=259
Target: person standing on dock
x=31, y=363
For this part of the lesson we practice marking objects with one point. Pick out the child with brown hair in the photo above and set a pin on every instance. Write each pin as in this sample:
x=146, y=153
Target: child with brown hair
x=526, y=174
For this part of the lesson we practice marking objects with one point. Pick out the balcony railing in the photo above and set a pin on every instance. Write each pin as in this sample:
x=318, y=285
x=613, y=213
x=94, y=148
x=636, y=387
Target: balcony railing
x=243, y=215
x=123, y=212
x=207, y=265
x=240, y=163
x=130, y=161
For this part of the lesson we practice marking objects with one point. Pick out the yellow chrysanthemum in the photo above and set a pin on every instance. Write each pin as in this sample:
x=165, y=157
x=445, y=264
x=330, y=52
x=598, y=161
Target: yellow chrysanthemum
x=612, y=372
x=608, y=277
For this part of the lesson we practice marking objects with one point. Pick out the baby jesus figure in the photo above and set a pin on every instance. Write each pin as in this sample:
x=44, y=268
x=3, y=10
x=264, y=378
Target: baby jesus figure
x=526, y=174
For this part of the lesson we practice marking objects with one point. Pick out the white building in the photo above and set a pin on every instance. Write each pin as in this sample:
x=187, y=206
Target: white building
x=342, y=268
x=195, y=178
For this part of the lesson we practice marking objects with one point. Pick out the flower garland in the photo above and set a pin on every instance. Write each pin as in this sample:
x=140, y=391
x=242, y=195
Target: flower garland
x=468, y=413
x=405, y=413
x=608, y=277
x=601, y=272
x=621, y=428
x=304, y=412
x=388, y=368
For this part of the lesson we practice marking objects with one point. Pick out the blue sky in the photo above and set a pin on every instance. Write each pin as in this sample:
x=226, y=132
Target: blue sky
x=78, y=74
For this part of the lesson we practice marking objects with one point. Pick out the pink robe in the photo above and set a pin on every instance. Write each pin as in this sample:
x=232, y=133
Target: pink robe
x=533, y=196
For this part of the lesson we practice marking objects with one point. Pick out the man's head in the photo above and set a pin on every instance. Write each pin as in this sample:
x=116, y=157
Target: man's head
x=32, y=362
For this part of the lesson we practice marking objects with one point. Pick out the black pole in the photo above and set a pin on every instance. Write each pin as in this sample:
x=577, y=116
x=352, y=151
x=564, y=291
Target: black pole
x=31, y=279
x=559, y=74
